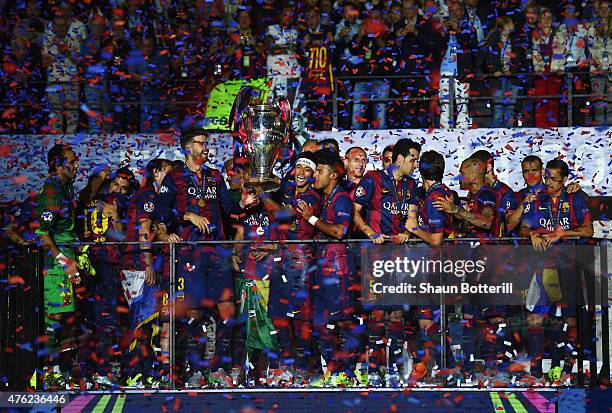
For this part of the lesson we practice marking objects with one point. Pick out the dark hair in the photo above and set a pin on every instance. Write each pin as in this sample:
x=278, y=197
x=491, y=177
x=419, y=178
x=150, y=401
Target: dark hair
x=177, y=164
x=483, y=156
x=56, y=156
x=326, y=143
x=533, y=158
x=388, y=148
x=188, y=134
x=560, y=165
x=330, y=158
x=308, y=155
x=153, y=165
x=431, y=166
x=403, y=147
x=123, y=172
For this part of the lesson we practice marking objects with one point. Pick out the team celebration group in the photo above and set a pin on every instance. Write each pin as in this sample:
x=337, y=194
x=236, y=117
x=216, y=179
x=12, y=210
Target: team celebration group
x=252, y=308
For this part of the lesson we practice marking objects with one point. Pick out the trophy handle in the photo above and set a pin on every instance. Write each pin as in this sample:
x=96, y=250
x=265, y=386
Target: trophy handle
x=241, y=102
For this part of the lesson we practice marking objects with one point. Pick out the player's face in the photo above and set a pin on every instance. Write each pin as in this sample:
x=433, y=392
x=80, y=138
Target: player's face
x=554, y=181
x=303, y=175
x=386, y=159
x=322, y=176
x=410, y=163
x=70, y=167
x=356, y=164
x=532, y=173
x=119, y=185
x=198, y=148
x=464, y=177
x=312, y=19
x=244, y=20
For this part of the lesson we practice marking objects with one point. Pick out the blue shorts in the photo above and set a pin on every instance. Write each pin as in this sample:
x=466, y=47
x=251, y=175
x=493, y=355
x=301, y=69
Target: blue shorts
x=203, y=276
x=290, y=284
x=334, y=289
x=106, y=289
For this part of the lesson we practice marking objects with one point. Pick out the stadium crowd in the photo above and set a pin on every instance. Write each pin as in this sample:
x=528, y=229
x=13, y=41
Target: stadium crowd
x=148, y=66
x=287, y=314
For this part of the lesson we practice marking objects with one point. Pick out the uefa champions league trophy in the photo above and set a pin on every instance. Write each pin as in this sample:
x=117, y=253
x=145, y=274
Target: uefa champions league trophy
x=264, y=131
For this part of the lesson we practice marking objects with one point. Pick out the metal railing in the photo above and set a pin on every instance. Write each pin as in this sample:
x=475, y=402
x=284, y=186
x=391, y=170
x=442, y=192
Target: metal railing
x=343, y=83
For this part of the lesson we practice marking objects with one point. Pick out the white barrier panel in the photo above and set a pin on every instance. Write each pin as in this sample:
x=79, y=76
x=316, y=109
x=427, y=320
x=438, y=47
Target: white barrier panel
x=588, y=152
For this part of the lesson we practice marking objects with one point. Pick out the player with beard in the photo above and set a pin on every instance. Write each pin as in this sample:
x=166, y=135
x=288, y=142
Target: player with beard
x=386, y=198
x=103, y=219
x=146, y=263
x=480, y=217
x=334, y=286
x=432, y=227
x=505, y=198
x=555, y=215
x=506, y=204
x=55, y=212
x=289, y=305
x=189, y=203
x=532, y=169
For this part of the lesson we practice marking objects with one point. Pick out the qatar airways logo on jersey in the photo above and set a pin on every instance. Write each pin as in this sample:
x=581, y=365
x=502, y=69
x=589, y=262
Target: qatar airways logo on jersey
x=258, y=220
x=549, y=225
x=211, y=193
x=392, y=207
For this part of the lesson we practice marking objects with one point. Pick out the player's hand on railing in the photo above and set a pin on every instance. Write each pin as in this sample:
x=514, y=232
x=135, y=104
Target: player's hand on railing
x=552, y=237
x=174, y=238
x=378, y=238
x=538, y=242
x=400, y=238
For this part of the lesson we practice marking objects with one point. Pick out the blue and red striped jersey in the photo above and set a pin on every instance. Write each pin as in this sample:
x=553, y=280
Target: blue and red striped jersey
x=431, y=219
x=296, y=227
x=141, y=207
x=505, y=201
x=183, y=191
x=568, y=212
x=386, y=201
x=476, y=203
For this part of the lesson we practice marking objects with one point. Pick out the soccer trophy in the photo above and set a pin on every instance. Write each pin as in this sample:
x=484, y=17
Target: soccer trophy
x=263, y=132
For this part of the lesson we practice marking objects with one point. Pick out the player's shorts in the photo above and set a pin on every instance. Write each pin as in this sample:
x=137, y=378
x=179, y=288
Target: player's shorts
x=290, y=283
x=105, y=286
x=203, y=276
x=58, y=291
x=556, y=292
x=333, y=289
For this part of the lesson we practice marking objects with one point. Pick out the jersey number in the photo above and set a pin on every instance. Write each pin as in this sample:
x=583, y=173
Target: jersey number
x=318, y=58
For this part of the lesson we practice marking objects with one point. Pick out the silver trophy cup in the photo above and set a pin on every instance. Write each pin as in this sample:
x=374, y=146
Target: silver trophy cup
x=266, y=128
